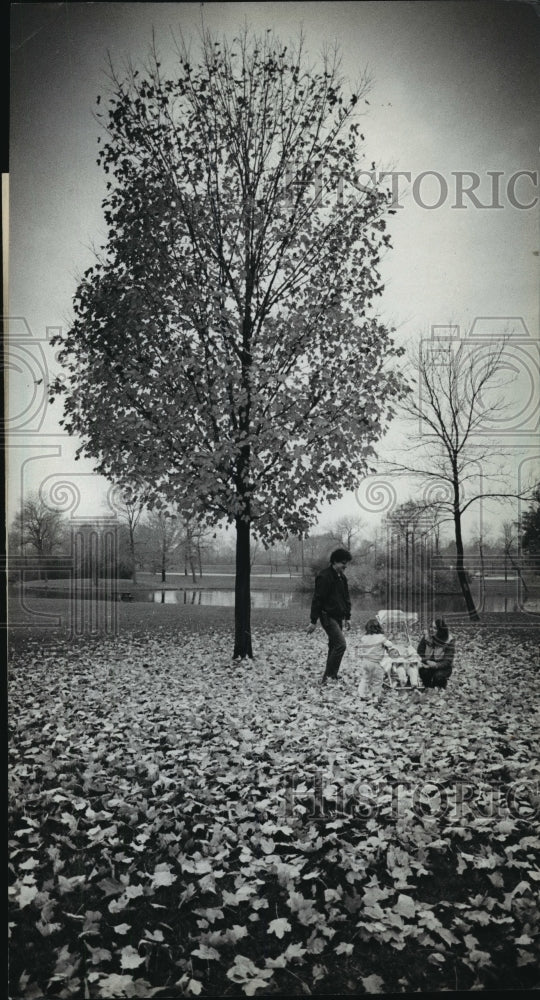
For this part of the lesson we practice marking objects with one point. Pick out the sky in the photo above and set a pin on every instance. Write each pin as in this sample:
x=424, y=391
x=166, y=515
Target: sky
x=454, y=102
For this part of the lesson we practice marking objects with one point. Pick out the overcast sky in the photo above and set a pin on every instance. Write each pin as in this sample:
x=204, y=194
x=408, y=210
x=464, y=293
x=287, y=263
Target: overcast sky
x=455, y=90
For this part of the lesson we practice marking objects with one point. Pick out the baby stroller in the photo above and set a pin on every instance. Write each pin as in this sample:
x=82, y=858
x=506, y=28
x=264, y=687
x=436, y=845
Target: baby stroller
x=401, y=662
x=397, y=620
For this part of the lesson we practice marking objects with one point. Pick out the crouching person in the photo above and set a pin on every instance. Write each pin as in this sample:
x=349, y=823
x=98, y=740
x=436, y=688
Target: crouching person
x=436, y=649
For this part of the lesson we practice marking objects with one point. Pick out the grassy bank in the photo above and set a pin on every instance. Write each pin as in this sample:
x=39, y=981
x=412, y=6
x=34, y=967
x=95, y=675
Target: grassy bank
x=56, y=623
x=152, y=581
x=49, y=621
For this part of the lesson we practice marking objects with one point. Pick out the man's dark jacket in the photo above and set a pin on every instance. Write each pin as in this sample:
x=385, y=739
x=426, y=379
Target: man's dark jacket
x=331, y=595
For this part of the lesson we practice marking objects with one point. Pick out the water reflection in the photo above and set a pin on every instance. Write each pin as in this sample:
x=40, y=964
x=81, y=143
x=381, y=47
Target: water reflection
x=363, y=604
x=224, y=598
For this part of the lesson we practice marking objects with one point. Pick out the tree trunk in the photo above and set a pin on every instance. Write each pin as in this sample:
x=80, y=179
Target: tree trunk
x=163, y=564
x=242, y=593
x=461, y=573
x=189, y=557
x=132, y=553
x=483, y=572
x=406, y=571
x=517, y=569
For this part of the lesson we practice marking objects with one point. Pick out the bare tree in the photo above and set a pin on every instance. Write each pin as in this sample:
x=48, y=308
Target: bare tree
x=478, y=543
x=255, y=546
x=294, y=554
x=166, y=531
x=129, y=506
x=316, y=549
x=202, y=543
x=347, y=529
x=37, y=527
x=189, y=545
x=510, y=548
x=458, y=398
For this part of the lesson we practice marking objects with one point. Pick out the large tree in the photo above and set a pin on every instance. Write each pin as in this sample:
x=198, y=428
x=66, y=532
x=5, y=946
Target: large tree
x=224, y=345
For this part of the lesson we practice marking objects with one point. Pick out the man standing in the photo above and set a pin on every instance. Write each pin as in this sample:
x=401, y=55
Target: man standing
x=331, y=604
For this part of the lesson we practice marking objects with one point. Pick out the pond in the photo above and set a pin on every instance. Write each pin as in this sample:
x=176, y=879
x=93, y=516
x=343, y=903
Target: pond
x=223, y=598
x=365, y=604
x=499, y=599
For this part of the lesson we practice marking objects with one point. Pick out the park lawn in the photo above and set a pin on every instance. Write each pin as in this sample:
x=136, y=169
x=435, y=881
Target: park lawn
x=182, y=825
x=177, y=581
x=46, y=621
x=220, y=581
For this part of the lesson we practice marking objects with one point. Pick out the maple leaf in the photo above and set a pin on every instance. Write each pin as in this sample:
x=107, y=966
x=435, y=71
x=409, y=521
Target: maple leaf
x=69, y=884
x=210, y=913
x=373, y=984
x=405, y=906
x=117, y=905
x=241, y=895
x=293, y=951
x=280, y=926
x=132, y=891
x=46, y=929
x=163, y=876
x=234, y=934
x=99, y=955
x=130, y=958
x=29, y=864
x=26, y=894
x=344, y=949
x=206, y=952
x=111, y=886
x=114, y=986
x=156, y=935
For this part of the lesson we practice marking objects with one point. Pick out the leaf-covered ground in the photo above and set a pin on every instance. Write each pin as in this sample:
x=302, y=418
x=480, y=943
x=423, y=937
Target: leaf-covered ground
x=183, y=825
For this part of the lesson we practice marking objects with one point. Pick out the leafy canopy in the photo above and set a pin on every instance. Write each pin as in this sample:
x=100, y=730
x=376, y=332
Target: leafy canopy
x=222, y=346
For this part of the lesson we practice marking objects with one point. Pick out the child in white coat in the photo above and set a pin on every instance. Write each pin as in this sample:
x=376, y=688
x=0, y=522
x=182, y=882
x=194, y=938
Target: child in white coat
x=373, y=649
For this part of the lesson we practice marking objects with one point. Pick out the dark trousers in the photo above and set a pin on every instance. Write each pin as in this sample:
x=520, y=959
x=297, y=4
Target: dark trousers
x=433, y=678
x=336, y=644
